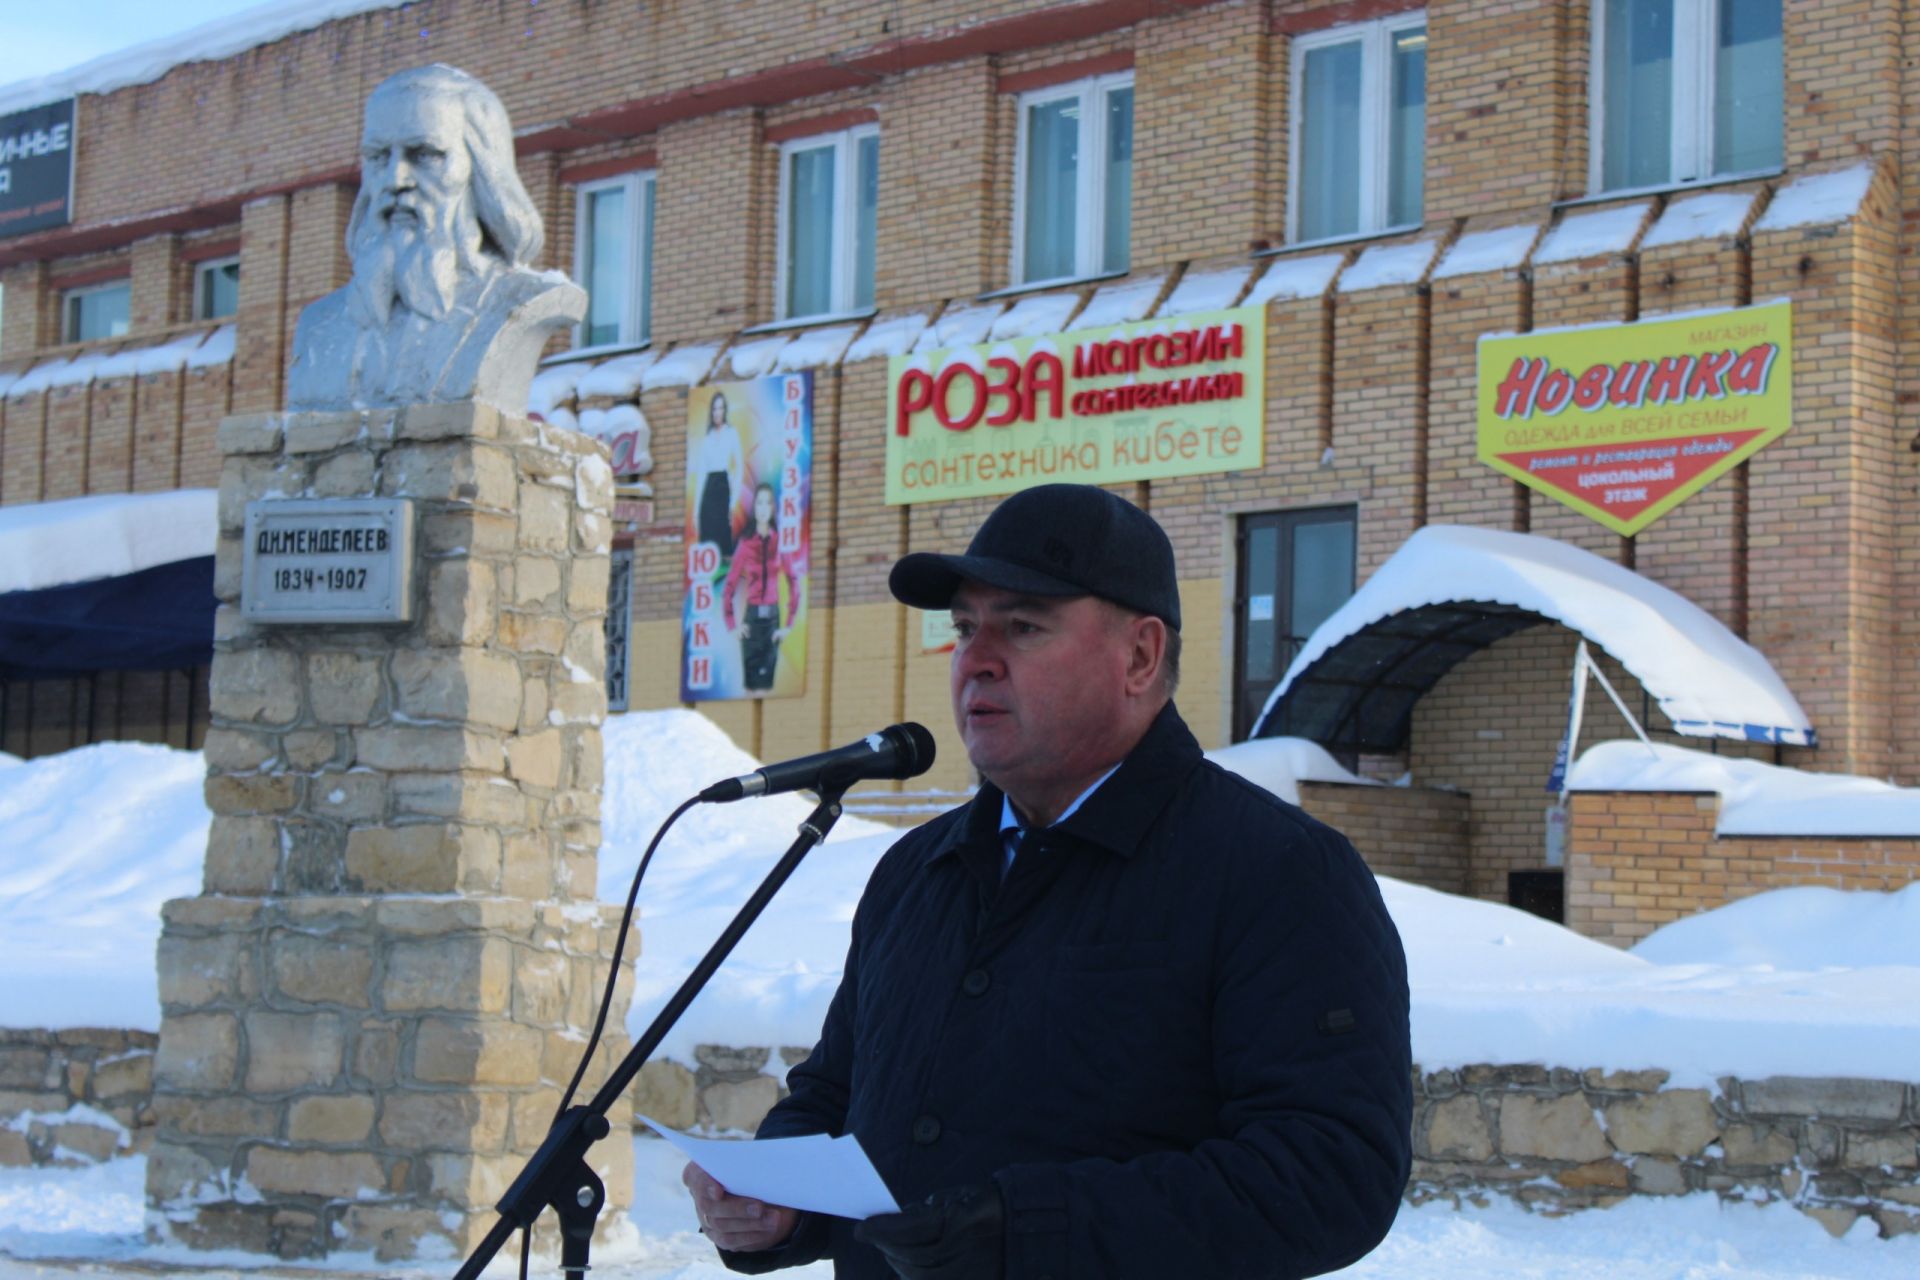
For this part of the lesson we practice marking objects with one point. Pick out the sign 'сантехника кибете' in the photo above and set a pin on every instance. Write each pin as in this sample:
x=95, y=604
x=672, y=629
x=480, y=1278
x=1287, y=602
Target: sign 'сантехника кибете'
x=1153, y=399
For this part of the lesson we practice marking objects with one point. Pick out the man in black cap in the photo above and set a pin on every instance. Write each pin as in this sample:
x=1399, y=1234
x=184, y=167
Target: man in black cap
x=1124, y=1014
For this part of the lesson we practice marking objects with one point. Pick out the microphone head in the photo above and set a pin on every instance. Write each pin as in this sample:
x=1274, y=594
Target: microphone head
x=913, y=749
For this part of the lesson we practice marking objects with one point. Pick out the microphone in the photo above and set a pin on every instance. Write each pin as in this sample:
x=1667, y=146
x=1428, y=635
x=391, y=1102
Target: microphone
x=898, y=751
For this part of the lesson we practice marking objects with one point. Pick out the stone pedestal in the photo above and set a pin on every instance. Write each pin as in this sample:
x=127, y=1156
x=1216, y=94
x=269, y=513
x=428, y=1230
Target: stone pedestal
x=370, y=1012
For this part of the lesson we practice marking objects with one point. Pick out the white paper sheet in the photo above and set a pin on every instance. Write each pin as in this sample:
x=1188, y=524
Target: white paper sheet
x=815, y=1173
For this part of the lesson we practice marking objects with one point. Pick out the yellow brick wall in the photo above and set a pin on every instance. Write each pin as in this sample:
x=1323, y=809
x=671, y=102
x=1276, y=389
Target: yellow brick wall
x=1809, y=551
x=1409, y=833
x=1638, y=860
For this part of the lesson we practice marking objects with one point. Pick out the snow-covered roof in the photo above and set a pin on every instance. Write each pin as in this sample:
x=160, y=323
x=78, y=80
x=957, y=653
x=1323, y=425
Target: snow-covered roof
x=681, y=367
x=108, y=535
x=1496, y=249
x=1389, y=264
x=889, y=335
x=618, y=377
x=816, y=348
x=960, y=326
x=1711, y=215
x=1817, y=199
x=1033, y=315
x=1756, y=798
x=1292, y=278
x=151, y=59
x=195, y=350
x=754, y=356
x=1708, y=681
x=1120, y=302
x=1206, y=290
x=1592, y=234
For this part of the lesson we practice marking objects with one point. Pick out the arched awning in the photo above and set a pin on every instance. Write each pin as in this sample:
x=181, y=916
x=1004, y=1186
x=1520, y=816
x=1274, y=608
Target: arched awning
x=1452, y=590
x=113, y=582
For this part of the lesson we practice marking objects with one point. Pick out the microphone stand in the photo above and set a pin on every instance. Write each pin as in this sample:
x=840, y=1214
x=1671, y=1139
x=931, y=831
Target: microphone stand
x=557, y=1175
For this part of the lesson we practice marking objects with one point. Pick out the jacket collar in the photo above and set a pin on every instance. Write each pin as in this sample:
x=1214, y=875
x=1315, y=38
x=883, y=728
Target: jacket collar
x=1117, y=816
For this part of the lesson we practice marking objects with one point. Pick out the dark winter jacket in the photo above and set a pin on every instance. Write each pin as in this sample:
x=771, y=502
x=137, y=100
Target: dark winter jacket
x=1176, y=1036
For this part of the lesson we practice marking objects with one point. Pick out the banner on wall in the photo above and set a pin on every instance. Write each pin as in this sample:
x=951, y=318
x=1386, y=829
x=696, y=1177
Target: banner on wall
x=748, y=539
x=36, y=168
x=1625, y=422
x=1180, y=396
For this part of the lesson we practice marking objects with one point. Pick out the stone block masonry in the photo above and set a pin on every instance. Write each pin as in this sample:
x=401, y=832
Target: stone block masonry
x=1551, y=1138
x=370, y=1014
x=1556, y=1139
x=74, y=1096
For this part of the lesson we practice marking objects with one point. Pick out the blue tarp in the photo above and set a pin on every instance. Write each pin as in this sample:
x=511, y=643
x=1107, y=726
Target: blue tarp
x=158, y=619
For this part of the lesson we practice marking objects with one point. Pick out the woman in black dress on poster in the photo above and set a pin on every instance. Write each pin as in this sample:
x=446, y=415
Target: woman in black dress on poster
x=719, y=462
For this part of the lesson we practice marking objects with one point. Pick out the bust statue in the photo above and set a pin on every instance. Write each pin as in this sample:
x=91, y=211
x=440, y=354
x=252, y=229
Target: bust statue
x=443, y=305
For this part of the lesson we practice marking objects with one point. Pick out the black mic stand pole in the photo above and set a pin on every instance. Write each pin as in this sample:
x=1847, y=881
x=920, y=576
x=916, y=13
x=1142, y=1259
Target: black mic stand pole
x=557, y=1174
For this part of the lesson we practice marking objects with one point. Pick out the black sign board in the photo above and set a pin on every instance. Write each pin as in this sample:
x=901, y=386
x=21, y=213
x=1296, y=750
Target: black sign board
x=36, y=168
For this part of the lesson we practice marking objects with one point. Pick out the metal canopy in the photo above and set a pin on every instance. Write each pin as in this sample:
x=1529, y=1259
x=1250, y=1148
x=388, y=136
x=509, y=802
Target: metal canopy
x=1359, y=695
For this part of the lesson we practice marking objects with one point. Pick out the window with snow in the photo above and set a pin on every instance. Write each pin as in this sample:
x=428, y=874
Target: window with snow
x=1685, y=91
x=613, y=259
x=1073, y=181
x=216, y=289
x=1359, y=116
x=98, y=311
x=829, y=196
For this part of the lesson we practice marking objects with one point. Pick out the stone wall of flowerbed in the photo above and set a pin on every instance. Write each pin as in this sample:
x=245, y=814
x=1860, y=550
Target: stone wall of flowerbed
x=76, y=1096
x=1554, y=1139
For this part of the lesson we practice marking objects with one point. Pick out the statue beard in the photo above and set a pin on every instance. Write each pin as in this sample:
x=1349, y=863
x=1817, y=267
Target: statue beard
x=413, y=261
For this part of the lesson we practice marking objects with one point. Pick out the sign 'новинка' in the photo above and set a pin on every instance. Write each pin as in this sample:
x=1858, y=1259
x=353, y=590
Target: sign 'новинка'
x=1623, y=423
x=1154, y=399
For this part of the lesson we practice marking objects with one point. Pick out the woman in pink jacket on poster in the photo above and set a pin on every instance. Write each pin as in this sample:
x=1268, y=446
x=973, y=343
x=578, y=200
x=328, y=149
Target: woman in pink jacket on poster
x=757, y=565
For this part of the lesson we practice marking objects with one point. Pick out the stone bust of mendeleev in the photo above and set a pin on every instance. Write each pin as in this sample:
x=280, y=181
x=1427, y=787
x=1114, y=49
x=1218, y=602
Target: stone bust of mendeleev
x=443, y=304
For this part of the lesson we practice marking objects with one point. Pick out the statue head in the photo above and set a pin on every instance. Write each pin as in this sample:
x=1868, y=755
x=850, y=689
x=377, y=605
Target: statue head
x=440, y=199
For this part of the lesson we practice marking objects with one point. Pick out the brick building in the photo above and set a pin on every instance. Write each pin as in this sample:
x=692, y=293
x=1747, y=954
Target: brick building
x=755, y=189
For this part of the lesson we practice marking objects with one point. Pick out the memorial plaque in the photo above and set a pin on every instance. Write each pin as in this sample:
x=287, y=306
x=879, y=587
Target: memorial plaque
x=328, y=560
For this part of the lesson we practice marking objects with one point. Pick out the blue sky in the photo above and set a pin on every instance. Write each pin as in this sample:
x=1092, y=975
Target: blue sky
x=41, y=38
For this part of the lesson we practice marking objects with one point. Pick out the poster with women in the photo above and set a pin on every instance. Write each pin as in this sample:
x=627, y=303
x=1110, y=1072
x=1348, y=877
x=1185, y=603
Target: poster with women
x=748, y=539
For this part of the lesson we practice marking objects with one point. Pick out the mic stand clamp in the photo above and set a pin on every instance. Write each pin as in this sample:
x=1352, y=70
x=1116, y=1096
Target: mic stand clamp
x=557, y=1175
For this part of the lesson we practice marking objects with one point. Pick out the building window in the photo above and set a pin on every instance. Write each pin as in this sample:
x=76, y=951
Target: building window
x=1073, y=179
x=613, y=258
x=216, y=289
x=1359, y=129
x=618, y=622
x=829, y=195
x=98, y=311
x=1295, y=568
x=1687, y=90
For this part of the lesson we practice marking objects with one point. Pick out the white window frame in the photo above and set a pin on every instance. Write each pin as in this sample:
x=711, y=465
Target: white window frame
x=1691, y=110
x=1376, y=85
x=846, y=197
x=201, y=270
x=636, y=184
x=69, y=296
x=1090, y=183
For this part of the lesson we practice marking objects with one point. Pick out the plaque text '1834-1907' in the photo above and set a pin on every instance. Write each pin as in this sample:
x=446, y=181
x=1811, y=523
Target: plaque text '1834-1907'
x=328, y=560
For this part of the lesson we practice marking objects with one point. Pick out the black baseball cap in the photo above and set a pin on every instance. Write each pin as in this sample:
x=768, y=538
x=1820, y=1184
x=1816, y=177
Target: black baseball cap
x=1055, y=540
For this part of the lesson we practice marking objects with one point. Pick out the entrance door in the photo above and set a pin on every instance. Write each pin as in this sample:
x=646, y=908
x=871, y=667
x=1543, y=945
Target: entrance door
x=1295, y=570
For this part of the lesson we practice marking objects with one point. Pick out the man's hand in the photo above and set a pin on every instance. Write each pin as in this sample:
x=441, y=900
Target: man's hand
x=955, y=1235
x=735, y=1223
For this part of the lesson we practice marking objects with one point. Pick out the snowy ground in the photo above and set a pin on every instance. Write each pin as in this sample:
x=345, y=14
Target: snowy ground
x=1796, y=982
x=90, y=1221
